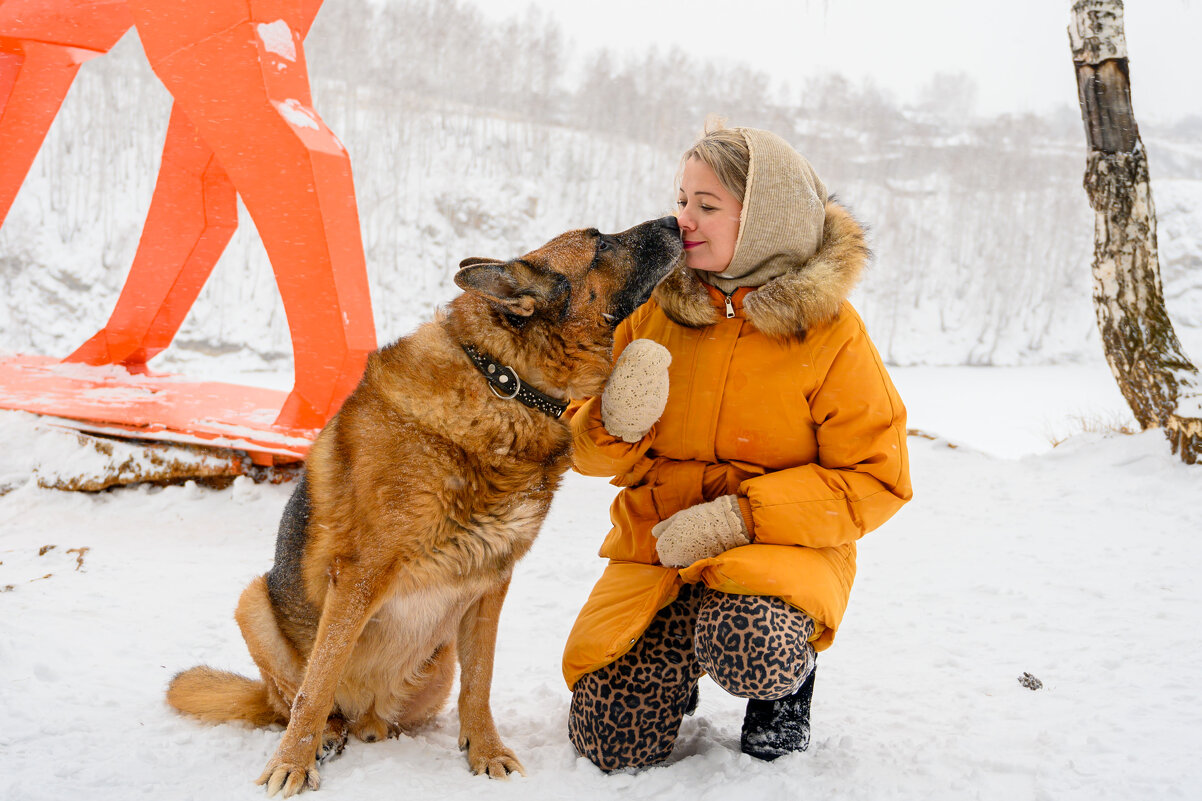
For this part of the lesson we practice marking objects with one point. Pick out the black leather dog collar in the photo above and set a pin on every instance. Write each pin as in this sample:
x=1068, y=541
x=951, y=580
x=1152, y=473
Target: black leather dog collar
x=504, y=383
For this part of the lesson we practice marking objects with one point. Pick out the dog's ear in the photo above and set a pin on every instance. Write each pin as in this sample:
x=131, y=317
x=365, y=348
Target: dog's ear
x=498, y=282
x=468, y=262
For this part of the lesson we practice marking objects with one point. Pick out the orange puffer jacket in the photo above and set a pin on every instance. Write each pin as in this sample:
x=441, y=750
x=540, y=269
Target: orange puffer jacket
x=804, y=425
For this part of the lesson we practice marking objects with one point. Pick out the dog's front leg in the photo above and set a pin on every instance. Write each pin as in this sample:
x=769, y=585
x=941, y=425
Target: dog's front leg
x=353, y=597
x=477, y=644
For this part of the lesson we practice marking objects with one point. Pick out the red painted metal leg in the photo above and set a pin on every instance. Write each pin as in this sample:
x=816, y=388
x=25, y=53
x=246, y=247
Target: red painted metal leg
x=241, y=79
x=192, y=217
x=37, y=77
x=42, y=44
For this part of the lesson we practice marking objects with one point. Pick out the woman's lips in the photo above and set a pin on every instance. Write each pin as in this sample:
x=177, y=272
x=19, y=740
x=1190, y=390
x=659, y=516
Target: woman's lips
x=690, y=245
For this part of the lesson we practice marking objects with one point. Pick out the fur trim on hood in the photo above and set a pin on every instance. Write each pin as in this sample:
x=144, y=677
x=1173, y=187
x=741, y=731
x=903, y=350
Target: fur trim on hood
x=808, y=295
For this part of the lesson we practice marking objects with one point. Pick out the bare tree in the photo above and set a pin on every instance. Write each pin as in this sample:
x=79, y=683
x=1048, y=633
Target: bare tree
x=1159, y=382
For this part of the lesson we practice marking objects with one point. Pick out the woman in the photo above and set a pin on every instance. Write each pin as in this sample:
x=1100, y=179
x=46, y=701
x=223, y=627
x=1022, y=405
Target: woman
x=781, y=442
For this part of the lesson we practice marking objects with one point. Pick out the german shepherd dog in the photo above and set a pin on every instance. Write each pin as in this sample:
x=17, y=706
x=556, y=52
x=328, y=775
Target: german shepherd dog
x=395, y=551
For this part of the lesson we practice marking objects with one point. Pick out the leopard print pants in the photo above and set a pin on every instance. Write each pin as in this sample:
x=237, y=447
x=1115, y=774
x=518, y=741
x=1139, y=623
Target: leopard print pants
x=627, y=714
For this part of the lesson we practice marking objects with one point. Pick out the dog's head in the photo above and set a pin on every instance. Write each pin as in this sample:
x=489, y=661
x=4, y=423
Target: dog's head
x=558, y=305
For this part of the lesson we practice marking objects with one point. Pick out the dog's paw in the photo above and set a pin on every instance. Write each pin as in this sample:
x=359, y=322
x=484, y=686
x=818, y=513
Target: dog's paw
x=494, y=760
x=289, y=777
x=496, y=765
x=333, y=739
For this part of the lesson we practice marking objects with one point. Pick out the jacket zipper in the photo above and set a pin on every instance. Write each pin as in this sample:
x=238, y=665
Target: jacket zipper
x=730, y=307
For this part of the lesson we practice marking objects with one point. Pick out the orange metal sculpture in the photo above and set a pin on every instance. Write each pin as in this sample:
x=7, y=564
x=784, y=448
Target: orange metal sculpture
x=242, y=123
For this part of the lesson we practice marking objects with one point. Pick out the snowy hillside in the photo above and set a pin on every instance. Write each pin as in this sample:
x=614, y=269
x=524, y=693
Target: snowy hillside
x=1075, y=564
x=982, y=240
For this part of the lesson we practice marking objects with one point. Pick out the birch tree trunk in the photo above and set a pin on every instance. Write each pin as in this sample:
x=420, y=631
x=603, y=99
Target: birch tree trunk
x=1159, y=382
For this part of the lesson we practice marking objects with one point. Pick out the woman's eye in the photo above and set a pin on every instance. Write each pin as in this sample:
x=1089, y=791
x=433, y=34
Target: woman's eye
x=707, y=208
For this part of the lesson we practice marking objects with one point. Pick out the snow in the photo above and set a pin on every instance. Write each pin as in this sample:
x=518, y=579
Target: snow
x=1074, y=564
x=297, y=114
x=1018, y=565
x=1011, y=411
x=277, y=38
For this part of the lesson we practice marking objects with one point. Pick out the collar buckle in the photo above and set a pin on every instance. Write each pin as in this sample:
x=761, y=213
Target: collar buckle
x=504, y=379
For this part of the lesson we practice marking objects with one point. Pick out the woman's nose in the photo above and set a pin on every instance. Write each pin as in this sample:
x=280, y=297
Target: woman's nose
x=685, y=220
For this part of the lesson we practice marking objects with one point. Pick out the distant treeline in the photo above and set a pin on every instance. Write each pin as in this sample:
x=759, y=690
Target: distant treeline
x=523, y=69
x=412, y=53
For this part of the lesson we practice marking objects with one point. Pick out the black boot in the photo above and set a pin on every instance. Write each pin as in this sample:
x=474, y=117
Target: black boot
x=775, y=728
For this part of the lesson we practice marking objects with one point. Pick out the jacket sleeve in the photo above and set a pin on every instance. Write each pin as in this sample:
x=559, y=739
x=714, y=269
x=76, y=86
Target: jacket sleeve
x=862, y=475
x=596, y=452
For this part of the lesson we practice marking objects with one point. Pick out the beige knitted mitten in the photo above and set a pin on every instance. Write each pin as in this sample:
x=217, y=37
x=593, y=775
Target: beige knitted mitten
x=637, y=390
x=700, y=532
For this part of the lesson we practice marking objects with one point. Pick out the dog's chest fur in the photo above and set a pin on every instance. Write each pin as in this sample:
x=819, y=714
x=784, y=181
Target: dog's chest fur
x=447, y=484
x=410, y=625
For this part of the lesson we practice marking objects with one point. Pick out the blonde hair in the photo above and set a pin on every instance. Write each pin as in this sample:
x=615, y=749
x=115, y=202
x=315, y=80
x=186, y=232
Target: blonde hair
x=724, y=150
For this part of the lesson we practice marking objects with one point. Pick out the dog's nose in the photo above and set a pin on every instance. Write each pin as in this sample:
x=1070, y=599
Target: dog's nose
x=669, y=223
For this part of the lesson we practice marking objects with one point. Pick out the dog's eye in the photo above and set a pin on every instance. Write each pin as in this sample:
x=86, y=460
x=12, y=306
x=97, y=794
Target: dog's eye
x=602, y=245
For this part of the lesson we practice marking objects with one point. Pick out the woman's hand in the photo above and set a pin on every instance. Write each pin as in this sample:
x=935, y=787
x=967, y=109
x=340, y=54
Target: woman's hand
x=637, y=390
x=700, y=532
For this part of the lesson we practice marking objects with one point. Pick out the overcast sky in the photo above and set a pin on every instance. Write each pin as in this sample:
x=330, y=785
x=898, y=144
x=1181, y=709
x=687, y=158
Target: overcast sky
x=1015, y=50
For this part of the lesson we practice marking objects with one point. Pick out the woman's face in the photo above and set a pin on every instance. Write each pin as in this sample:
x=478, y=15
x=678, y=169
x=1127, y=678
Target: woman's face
x=708, y=216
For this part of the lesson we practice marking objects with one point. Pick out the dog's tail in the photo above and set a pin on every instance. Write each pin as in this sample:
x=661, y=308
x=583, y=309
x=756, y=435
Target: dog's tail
x=218, y=696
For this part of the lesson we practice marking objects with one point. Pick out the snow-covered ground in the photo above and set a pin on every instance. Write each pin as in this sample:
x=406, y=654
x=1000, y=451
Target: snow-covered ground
x=1077, y=564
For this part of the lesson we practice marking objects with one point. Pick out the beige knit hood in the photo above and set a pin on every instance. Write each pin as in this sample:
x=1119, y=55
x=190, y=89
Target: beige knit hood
x=781, y=223
x=802, y=253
